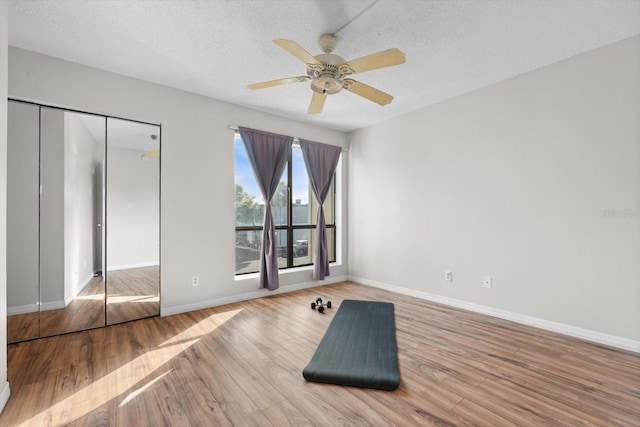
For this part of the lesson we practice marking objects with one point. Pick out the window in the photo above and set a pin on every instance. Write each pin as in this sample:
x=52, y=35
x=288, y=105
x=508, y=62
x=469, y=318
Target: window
x=294, y=210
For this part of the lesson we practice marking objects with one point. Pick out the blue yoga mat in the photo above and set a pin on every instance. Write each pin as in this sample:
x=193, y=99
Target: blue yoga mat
x=359, y=348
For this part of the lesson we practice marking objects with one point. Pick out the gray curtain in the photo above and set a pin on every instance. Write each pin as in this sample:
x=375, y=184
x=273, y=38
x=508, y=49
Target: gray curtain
x=268, y=154
x=321, y=161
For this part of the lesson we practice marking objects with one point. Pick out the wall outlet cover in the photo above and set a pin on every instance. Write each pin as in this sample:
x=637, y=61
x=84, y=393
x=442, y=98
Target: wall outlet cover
x=486, y=281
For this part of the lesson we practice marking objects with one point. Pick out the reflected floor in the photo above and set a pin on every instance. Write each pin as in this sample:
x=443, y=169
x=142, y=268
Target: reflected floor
x=22, y=327
x=133, y=293
x=86, y=311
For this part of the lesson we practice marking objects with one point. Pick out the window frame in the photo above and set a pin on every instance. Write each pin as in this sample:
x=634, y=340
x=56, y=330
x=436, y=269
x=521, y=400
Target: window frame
x=290, y=227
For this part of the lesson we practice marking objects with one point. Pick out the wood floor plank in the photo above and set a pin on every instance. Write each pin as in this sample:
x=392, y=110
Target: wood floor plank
x=477, y=416
x=575, y=399
x=241, y=365
x=284, y=414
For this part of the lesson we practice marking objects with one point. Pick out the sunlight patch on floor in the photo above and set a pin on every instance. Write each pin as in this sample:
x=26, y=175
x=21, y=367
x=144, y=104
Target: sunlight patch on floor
x=138, y=391
x=203, y=327
x=108, y=387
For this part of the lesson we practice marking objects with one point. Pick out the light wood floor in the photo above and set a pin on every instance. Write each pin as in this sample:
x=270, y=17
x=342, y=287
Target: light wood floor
x=241, y=364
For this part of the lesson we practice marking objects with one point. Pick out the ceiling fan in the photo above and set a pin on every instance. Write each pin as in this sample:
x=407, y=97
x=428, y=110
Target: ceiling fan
x=329, y=72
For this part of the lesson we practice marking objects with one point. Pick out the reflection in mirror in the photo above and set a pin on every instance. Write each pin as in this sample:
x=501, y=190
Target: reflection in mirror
x=133, y=220
x=71, y=221
x=22, y=221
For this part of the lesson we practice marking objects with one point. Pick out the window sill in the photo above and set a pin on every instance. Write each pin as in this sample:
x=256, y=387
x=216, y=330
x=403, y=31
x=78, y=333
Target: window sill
x=285, y=272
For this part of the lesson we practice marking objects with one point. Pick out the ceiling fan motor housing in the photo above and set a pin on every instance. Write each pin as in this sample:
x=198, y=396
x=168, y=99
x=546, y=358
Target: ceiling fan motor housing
x=326, y=78
x=327, y=83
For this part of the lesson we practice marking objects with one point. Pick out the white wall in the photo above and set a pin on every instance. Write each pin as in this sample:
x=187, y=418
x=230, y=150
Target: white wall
x=534, y=181
x=133, y=209
x=197, y=184
x=4, y=40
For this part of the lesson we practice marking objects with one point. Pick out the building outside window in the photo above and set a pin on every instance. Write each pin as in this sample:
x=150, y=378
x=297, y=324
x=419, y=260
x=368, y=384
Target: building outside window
x=294, y=210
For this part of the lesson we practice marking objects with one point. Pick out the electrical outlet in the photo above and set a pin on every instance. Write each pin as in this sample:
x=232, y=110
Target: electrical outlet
x=486, y=282
x=195, y=281
x=448, y=276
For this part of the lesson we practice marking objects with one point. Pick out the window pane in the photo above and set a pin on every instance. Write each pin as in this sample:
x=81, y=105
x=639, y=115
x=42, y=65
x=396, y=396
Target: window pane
x=249, y=201
x=281, y=248
x=301, y=253
x=279, y=203
x=331, y=243
x=249, y=245
x=249, y=204
x=300, y=190
x=304, y=246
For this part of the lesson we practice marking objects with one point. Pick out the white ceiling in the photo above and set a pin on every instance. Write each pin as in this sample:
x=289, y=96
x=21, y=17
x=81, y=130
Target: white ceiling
x=215, y=48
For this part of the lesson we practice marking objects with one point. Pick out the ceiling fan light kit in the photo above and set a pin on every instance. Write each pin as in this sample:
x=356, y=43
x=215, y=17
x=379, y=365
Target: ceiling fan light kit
x=328, y=72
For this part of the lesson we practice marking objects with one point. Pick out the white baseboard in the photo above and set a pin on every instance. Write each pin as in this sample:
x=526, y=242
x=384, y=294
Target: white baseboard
x=167, y=311
x=23, y=309
x=586, y=334
x=52, y=305
x=4, y=395
x=33, y=308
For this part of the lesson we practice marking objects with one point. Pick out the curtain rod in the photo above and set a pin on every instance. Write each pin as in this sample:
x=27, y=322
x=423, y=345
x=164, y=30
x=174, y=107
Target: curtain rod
x=295, y=139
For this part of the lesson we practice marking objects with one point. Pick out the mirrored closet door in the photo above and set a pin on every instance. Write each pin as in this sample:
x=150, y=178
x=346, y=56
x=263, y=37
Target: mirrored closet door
x=69, y=266
x=133, y=220
x=23, y=188
x=72, y=147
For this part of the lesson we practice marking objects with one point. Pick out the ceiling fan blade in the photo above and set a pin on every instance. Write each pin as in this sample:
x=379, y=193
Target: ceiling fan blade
x=296, y=50
x=278, y=82
x=366, y=91
x=317, y=102
x=385, y=58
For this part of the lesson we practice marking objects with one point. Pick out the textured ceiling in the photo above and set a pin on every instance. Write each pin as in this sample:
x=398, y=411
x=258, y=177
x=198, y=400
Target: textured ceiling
x=215, y=48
